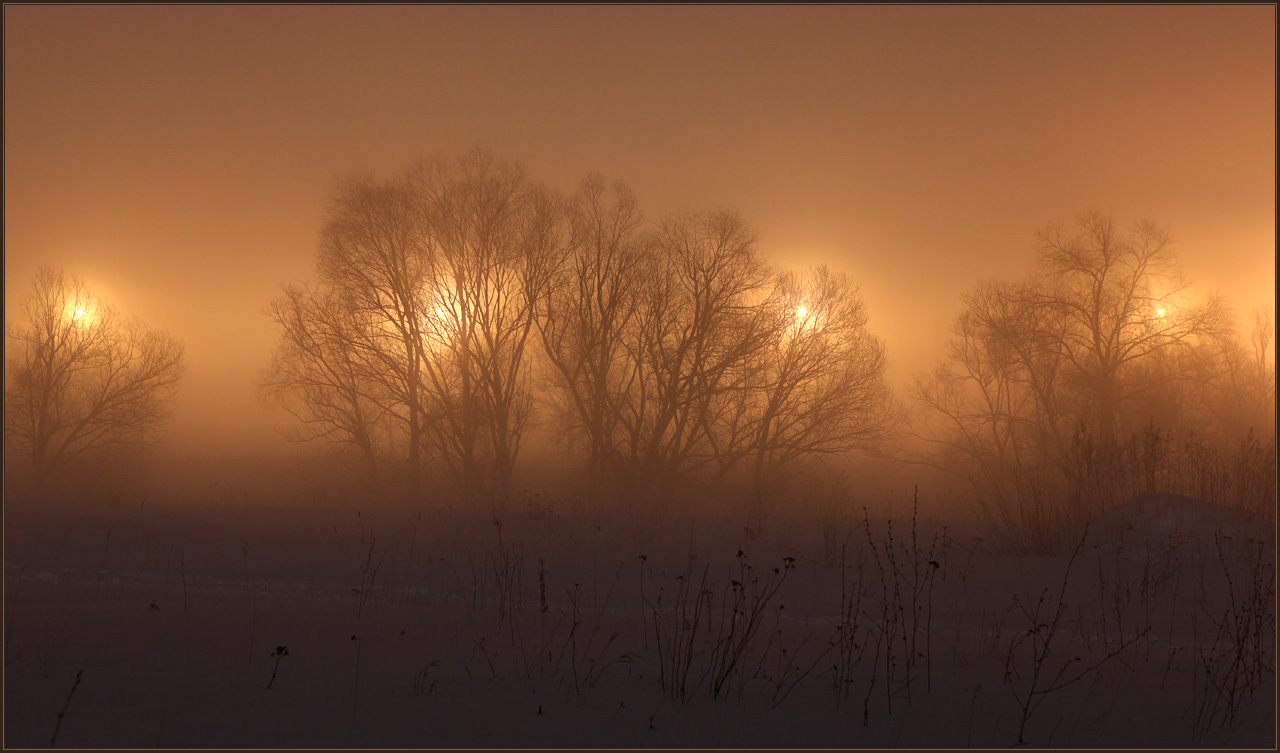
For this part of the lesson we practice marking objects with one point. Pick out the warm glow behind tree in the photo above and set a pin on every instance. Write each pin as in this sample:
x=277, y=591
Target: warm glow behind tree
x=819, y=387
x=79, y=379
x=1100, y=344
x=1100, y=282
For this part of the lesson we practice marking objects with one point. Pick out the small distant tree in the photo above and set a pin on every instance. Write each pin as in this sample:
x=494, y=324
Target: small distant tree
x=1243, y=396
x=80, y=379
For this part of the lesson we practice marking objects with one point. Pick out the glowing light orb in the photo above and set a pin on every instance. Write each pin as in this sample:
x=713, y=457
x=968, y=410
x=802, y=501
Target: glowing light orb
x=79, y=313
x=801, y=311
x=1160, y=312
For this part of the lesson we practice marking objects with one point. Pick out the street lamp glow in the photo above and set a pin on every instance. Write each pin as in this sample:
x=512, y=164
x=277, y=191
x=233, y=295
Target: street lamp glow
x=77, y=313
x=801, y=311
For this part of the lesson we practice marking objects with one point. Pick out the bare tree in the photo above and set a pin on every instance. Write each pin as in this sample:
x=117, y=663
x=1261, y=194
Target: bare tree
x=1002, y=394
x=375, y=261
x=80, y=379
x=492, y=236
x=1046, y=378
x=1260, y=379
x=1001, y=409
x=703, y=317
x=1121, y=300
x=684, y=357
x=1236, y=390
x=322, y=374
x=818, y=387
x=429, y=287
x=674, y=353
x=590, y=307
x=1104, y=319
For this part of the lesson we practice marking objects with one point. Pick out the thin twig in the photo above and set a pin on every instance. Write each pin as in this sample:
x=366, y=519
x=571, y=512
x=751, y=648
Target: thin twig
x=53, y=741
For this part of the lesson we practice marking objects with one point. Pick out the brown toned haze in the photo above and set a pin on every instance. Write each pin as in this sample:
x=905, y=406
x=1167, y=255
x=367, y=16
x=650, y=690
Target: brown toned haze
x=179, y=158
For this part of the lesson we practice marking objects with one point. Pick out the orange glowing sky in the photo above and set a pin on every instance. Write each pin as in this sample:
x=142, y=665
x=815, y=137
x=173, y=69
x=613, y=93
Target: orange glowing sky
x=178, y=158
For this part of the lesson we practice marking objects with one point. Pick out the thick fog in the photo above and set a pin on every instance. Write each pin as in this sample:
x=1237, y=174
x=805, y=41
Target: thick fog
x=182, y=161
x=650, y=376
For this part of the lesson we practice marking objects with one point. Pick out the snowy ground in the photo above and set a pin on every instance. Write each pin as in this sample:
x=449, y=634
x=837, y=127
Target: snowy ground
x=545, y=627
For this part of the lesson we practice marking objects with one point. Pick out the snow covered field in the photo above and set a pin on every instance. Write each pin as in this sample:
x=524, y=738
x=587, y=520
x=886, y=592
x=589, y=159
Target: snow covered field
x=542, y=625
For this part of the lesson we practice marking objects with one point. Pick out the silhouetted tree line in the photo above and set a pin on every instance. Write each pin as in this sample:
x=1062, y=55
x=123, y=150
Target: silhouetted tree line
x=453, y=302
x=451, y=298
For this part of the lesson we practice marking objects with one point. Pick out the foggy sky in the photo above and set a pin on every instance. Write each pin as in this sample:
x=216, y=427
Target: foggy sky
x=179, y=158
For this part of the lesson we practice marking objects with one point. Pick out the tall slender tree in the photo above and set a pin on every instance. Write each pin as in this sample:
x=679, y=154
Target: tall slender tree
x=590, y=307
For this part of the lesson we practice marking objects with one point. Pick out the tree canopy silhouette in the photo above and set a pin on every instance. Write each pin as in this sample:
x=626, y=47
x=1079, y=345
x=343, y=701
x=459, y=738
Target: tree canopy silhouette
x=674, y=351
